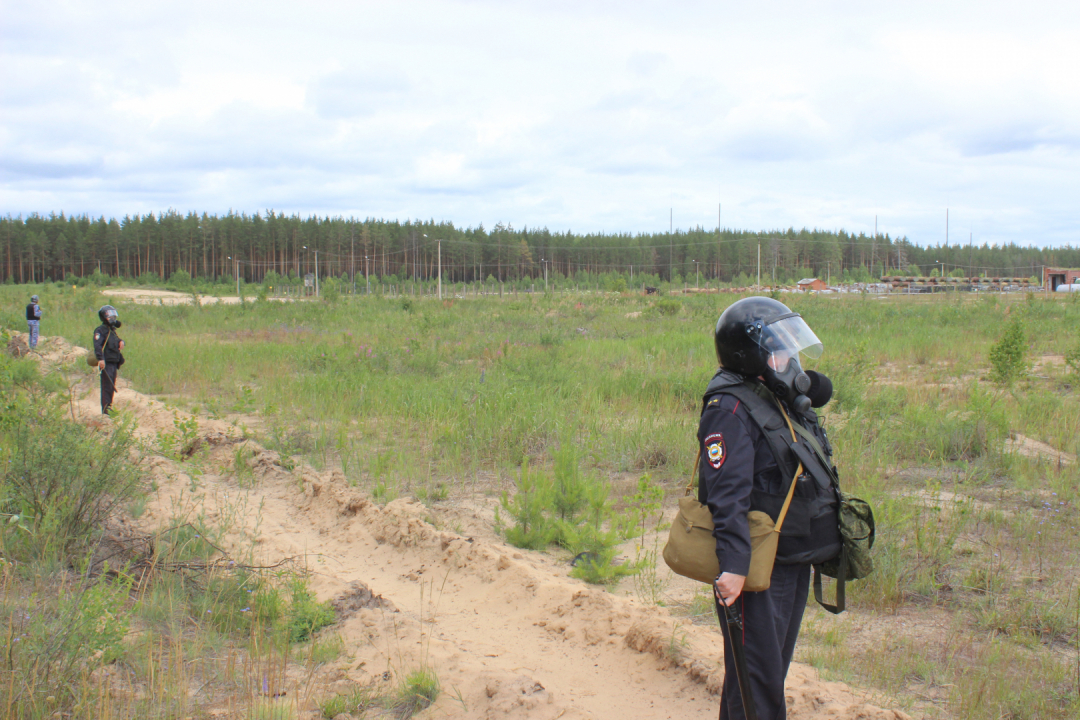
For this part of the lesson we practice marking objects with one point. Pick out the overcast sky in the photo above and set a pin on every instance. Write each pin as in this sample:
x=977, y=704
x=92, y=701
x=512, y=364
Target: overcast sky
x=590, y=116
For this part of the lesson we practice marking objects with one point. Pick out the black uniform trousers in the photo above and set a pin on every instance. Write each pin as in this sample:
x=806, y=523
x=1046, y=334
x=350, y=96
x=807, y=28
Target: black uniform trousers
x=108, y=385
x=771, y=620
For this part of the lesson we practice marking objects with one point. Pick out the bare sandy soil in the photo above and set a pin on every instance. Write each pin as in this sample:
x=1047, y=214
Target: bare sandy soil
x=147, y=296
x=508, y=632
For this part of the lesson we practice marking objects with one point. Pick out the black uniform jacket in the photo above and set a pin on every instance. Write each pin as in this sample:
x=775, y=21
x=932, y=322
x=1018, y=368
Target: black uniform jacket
x=33, y=311
x=738, y=472
x=107, y=345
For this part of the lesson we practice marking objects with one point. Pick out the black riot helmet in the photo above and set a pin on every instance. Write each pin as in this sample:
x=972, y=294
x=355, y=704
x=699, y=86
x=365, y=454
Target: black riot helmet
x=759, y=336
x=109, y=316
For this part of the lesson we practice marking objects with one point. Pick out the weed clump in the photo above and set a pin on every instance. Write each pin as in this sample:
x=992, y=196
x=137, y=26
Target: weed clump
x=355, y=702
x=417, y=692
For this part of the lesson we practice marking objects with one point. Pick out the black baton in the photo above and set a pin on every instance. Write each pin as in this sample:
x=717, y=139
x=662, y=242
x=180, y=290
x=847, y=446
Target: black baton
x=734, y=636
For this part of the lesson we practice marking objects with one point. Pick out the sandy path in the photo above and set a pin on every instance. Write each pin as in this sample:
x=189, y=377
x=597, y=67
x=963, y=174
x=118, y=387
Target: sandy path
x=141, y=296
x=507, y=631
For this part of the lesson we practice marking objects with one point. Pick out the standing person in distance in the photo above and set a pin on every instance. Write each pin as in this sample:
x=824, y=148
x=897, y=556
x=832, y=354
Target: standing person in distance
x=33, y=320
x=107, y=350
x=748, y=463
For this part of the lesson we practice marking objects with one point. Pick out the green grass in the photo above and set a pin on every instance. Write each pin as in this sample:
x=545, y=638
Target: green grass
x=429, y=398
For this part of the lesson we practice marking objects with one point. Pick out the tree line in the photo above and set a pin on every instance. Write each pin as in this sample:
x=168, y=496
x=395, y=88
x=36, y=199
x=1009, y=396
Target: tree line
x=251, y=246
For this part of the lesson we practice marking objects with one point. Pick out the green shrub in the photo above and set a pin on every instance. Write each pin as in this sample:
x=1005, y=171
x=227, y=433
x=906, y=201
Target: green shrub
x=601, y=569
x=180, y=281
x=64, y=484
x=532, y=528
x=56, y=637
x=306, y=615
x=331, y=291
x=570, y=487
x=668, y=306
x=1008, y=357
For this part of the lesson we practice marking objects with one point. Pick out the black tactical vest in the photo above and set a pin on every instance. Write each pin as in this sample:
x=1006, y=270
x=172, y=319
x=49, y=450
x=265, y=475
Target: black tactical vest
x=810, y=532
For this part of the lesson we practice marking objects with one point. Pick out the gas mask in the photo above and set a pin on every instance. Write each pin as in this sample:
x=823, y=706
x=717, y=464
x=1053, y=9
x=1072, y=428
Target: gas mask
x=781, y=341
x=788, y=382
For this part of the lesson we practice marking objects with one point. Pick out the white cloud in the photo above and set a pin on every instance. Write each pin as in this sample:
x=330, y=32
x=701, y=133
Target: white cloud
x=587, y=116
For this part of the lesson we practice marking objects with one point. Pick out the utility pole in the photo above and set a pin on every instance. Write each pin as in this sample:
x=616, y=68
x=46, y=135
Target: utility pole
x=316, y=273
x=440, y=269
x=759, y=264
x=352, y=257
x=671, y=245
x=367, y=275
x=237, y=264
x=545, y=262
x=873, y=248
x=946, y=227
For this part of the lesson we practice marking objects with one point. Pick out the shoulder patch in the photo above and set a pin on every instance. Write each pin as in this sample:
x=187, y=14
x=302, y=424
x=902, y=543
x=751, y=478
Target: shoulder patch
x=97, y=336
x=714, y=448
x=714, y=401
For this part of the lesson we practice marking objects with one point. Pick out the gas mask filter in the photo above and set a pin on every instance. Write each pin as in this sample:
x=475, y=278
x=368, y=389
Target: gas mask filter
x=787, y=381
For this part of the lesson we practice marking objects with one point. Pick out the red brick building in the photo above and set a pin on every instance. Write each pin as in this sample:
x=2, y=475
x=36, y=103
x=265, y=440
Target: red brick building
x=815, y=284
x=1052, y=277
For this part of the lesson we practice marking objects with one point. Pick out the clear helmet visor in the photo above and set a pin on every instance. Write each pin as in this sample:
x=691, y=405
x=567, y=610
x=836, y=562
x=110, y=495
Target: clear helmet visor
x=786, y=338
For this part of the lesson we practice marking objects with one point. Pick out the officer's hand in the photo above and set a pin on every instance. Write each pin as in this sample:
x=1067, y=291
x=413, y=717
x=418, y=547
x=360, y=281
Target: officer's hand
x=728, y=586
x=101, y=364
x=121, y=344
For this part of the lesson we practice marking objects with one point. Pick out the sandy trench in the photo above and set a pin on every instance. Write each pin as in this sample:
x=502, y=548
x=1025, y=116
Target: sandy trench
x=508, y=632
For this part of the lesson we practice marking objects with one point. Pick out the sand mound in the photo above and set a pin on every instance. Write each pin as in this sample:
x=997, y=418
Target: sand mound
x=507, y=631
x=1030, y=448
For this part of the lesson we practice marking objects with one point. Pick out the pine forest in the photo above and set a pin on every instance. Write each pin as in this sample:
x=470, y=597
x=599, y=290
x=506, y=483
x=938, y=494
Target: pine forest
x=255, y=247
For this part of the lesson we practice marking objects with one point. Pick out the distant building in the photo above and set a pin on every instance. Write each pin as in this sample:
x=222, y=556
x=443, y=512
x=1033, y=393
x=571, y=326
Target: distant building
x=815, y=284
x=1052, y=277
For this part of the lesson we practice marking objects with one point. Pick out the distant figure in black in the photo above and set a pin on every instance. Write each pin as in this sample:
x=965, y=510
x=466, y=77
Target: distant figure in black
x=107, y=350
x=650, y=290
x=33, y=320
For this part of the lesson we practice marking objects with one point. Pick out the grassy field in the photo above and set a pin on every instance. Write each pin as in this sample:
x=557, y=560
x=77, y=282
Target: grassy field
x=973, y=611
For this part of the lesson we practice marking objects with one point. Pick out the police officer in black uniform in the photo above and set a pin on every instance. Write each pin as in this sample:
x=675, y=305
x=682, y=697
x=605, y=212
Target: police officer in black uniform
x=107, y=350
x=748, y=461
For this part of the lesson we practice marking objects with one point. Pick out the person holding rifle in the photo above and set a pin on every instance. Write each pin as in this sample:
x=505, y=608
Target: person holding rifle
x=754, y=407
x=107, y=350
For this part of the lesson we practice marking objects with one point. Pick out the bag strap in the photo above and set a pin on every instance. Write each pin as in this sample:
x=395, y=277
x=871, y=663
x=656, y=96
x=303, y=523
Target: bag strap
x=105, y=344
x=816, y=447
x=841, y=581
x=694, y=472
x=791, y=489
